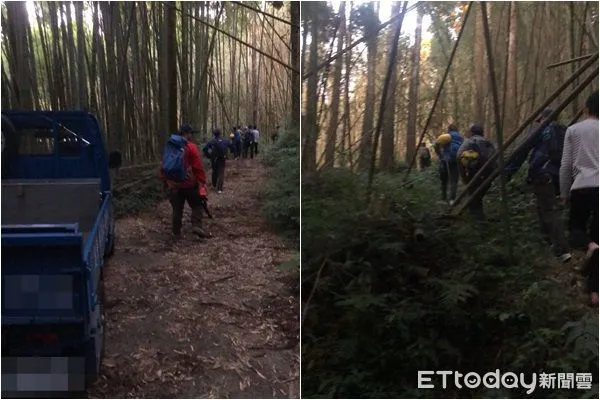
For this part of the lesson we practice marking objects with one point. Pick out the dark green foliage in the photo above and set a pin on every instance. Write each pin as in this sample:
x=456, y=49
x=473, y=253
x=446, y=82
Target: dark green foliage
x=139, y=198
x=281, y=197
x=387, y=305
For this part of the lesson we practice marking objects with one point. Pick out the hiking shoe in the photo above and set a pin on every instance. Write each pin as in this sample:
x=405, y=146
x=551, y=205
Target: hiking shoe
x=451, y=203
x=590, y=252
x=200, y=233
x=220, y=191
x=566, y=257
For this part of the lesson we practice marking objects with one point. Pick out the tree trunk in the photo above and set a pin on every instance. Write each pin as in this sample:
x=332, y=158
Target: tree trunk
x=295, y=61
x=333, y=127
x=512, y=112
x=366, y=140
x=389, y=125
x=310, y=133
x=413, y=93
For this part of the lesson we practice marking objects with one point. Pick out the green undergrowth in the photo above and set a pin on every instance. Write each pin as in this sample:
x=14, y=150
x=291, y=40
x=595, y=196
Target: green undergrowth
x=281, y=195
x=139, y=198
x=388, y=303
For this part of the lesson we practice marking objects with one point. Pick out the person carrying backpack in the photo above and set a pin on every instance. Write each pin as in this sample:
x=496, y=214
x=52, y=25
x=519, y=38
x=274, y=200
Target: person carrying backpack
x=256, y=135
x=544, y=164
x=447, y=146
x=216, y=150
x=237, y=141
x=472, y=155
x=579, y=187
x=249, y=141
x=182, y=173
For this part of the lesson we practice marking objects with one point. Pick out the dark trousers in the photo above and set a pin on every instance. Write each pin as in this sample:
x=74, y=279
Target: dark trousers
x=178, y=198
x=425, y=163
x=251, y=149
x=476, y=205
x=549, y=213
x=583, y=217
x=246, y=147
x=449, y=175
x=238, y=148
x=218, y=173
x=255, y=145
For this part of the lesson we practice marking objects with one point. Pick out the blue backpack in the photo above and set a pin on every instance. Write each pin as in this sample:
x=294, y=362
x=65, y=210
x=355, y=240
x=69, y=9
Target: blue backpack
x=173, y=165
x=455, y=144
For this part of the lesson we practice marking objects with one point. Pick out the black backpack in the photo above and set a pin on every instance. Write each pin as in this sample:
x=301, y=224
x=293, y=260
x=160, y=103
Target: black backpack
x=218, y=150
x=553, y=146
x=249, y=136
x=475, y=154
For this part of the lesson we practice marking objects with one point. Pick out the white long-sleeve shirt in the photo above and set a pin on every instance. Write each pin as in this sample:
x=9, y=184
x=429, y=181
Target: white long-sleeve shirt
x=579, y=164
x=256, y=135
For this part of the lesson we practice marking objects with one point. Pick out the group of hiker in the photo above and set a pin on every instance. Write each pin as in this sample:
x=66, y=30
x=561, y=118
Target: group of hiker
x=245, y=141
x=563, y=170
x=183, y=175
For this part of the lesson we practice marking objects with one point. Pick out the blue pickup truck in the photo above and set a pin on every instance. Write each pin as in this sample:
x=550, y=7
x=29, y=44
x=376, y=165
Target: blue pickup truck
x=57, y=229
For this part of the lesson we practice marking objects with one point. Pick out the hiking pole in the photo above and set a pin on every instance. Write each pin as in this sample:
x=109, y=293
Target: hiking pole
x=439, y=92
x=528, y=142
x=205, y=207
x=592, y=61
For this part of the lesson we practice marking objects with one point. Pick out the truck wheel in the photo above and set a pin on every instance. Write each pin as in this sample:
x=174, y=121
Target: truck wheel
x=10, y=145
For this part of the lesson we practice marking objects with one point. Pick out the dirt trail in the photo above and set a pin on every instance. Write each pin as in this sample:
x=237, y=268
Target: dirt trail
x=212, y=319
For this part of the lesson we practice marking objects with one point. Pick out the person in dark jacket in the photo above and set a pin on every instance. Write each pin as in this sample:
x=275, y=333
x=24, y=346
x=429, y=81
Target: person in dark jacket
x=188, y=190
x=469, y=167
x=543, y=177
x=216, y=150
x=237, y=142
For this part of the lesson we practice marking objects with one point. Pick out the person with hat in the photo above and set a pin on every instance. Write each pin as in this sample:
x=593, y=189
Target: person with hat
x=216, y=150
x=544, y=165
x=182, y=173
x=472, y=156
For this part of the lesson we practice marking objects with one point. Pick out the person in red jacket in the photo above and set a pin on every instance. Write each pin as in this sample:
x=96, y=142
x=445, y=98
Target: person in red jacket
x=189, y=189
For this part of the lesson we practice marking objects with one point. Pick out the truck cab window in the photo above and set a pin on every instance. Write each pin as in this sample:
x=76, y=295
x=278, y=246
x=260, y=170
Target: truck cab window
x=36, y=142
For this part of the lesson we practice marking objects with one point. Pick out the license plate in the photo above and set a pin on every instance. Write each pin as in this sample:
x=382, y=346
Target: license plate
x=42, y=374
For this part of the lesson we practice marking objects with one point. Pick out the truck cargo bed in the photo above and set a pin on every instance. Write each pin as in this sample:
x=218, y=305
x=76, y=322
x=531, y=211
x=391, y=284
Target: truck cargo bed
x=53, y=202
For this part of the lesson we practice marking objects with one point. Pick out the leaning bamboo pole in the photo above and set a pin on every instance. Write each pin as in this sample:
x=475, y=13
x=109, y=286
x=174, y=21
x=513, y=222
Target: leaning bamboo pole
x=529, y=141
x=440, y=88
x=592, y=61
x=498, y=125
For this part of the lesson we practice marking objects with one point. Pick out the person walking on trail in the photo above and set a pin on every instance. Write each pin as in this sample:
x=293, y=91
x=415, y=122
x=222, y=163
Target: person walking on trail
x=544, y=166
x=237, y=141
x=472, y=155
x=256, y=135
x=216, y=150
x=579, y=187
x=182, y=173
x=425, y=158
x=447, y=146
x=249, y=141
